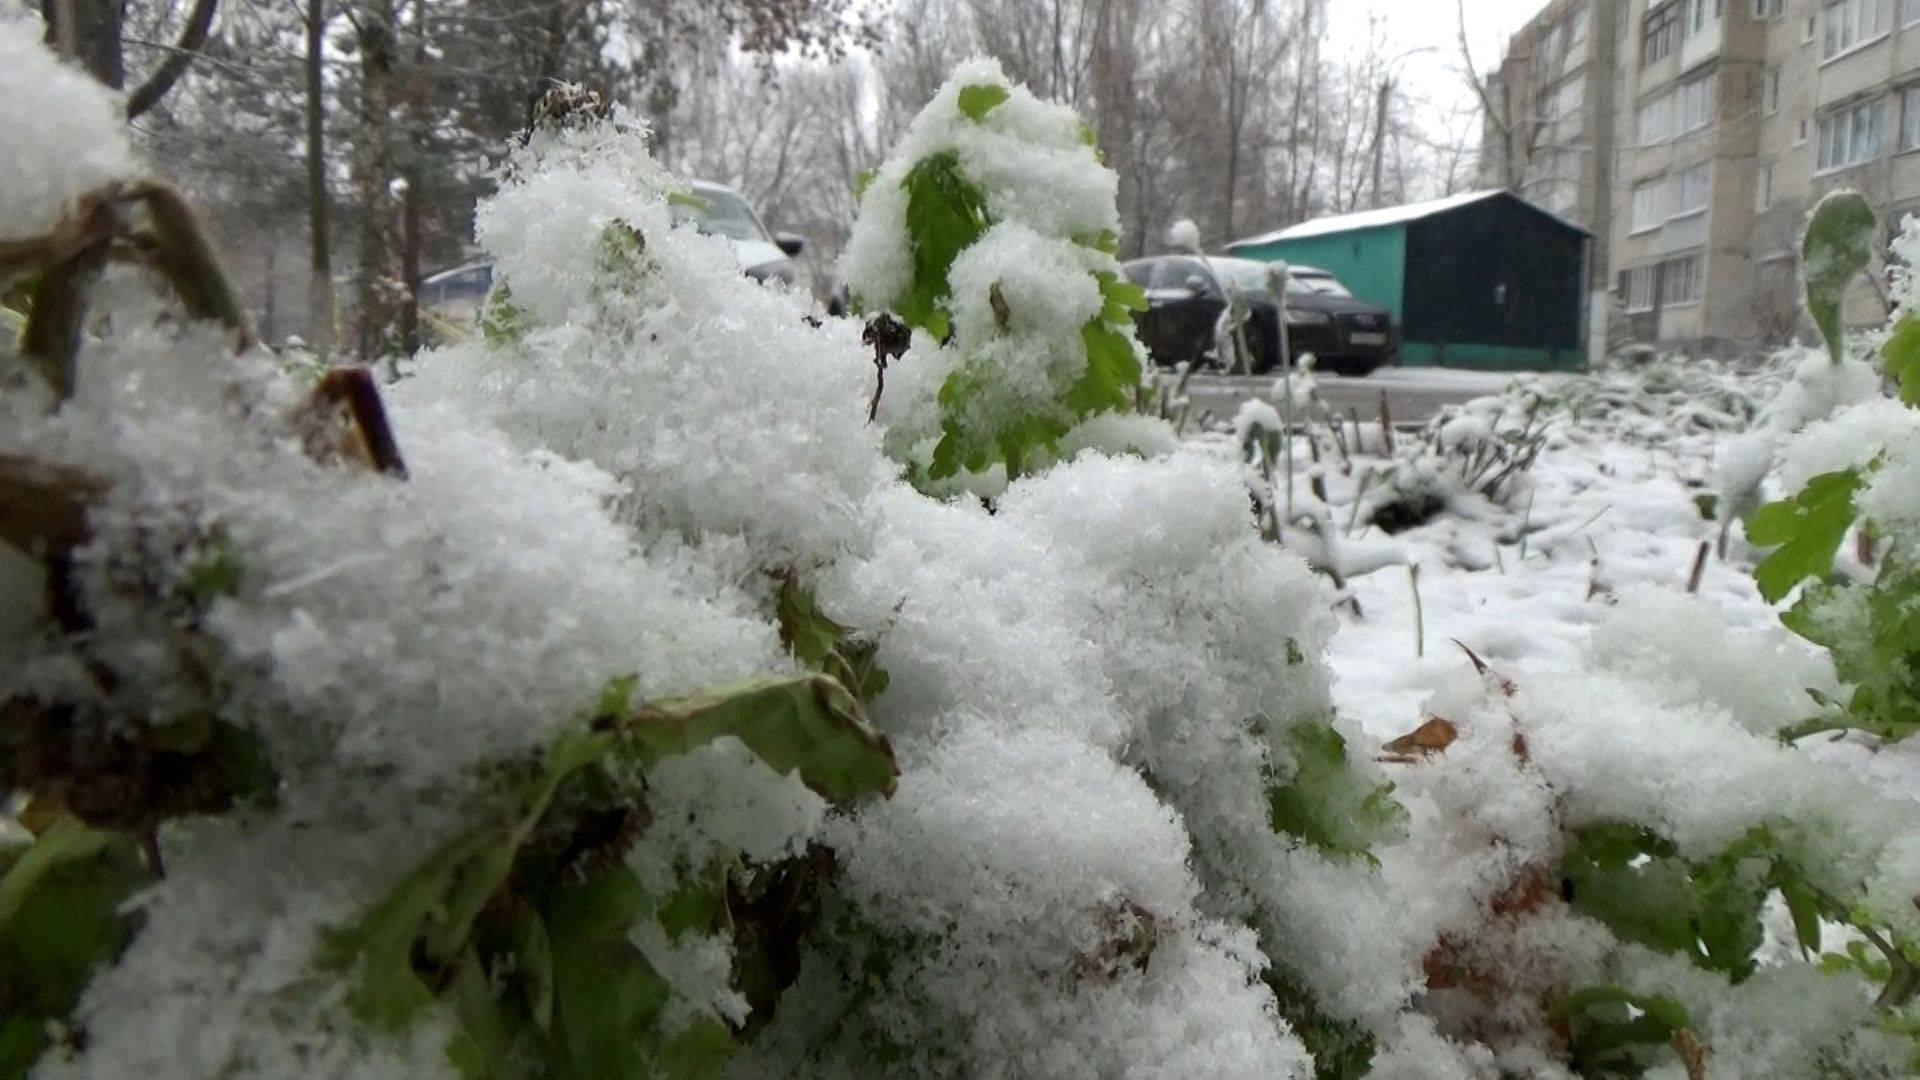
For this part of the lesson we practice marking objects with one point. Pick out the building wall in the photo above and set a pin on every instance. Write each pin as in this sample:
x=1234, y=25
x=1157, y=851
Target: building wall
x=1723, y=275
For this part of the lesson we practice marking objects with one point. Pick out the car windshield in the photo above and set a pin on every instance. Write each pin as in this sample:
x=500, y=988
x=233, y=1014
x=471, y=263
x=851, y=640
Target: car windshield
x=1242, y=275
x=1316, y=285
x=719, y=212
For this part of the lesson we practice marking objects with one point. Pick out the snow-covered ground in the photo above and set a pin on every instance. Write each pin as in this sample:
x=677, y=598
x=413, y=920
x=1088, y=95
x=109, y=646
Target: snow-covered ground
x=1593, y=556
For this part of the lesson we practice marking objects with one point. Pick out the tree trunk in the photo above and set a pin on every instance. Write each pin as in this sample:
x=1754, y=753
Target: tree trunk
x=376, y=332
x=88, y=33
x=320, y=283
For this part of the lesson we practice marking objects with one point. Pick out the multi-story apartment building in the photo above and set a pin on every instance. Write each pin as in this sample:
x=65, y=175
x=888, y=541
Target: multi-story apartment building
x=1724, y=122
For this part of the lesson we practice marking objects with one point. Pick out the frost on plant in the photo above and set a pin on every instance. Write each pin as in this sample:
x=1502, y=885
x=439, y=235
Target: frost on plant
x=992, y=233
x=610, y=699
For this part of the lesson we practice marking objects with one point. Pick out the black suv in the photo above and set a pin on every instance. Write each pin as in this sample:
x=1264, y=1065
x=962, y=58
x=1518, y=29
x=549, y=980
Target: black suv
x=1347, y=336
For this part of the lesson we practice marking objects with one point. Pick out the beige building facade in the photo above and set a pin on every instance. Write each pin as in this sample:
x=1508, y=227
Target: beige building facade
x=1696, y=154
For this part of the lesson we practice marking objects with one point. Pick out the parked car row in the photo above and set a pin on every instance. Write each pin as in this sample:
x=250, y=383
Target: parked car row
x=1186, y=301
x=1186, y=305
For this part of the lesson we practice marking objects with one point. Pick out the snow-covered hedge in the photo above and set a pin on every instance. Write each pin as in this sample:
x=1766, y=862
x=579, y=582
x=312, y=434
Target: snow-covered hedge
x=620, y=696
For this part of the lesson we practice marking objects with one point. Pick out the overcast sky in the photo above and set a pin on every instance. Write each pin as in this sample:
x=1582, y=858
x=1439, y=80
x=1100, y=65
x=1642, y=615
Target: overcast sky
x=1412, y=24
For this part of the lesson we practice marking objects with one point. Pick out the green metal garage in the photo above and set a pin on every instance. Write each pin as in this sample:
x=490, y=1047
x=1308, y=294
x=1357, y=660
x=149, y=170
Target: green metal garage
x=1482, y=280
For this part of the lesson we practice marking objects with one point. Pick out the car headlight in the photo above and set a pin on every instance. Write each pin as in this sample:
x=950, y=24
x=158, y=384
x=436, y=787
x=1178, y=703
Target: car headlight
x=780, y=271
x=1308, y=318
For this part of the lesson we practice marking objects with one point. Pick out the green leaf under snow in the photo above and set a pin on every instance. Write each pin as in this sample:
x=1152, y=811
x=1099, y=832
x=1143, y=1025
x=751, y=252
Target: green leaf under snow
x=1873, y=634
x=977, y=101
x=60, y=921
x=503, y=323
x=563, y=985
x=1837, y=250
x=809, y=725
x=1326, y=802
x=823, y=645
x=1900, y=358
x=946, y=214
x=1635, y=883
x=1613, y=1031
x=1807, y=529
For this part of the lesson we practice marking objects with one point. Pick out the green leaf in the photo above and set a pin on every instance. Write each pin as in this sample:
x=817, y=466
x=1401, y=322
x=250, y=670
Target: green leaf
x=862, y=182
x=1113, y=370
x=213, y=571
x=60, y=921
x=825, y=646
x=503, y=323
x=1628, y=878
x=1326, y=803
x=1808, y=530
x=1901, y=358
x=1614, y=1030
x=946, y=214
x=977, y=101
x=809, y=725
x=1873, y=634
x=608, y=1000
x=1106, y=241
x=1837, y=250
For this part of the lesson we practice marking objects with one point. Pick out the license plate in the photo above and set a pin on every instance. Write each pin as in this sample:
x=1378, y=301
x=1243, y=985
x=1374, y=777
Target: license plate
x=1367, y=337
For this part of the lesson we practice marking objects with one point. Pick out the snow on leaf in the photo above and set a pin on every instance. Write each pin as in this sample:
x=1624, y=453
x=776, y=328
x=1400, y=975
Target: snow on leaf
x=1326, y=803
x=1901, y=355
x=1837, y=250
x=1808, y=530
x=946, y=214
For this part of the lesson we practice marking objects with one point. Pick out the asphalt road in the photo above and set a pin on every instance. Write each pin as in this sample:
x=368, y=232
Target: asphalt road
x=1414, y=395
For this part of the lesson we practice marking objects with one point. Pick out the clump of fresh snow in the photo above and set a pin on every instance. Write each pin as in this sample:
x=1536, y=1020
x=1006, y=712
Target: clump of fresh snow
x=1850, y=438
x=63, y=131
x=723, y=407
x=1681, y=645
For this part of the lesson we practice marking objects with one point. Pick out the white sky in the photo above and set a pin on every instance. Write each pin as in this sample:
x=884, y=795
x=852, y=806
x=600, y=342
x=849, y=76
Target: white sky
x=1412, y=24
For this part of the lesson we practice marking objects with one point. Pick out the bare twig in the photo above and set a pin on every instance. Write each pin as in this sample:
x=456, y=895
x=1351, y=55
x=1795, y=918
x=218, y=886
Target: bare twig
x=1699, y=567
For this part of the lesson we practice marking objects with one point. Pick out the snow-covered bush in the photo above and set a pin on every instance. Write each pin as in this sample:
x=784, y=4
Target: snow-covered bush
x=608, y=700
x=1852, y=460
x=991, y=233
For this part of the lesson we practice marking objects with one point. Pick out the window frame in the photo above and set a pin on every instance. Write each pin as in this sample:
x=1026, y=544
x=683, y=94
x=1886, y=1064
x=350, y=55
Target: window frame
x=1837, y=44
x=1838, y=143
x=1681, y=183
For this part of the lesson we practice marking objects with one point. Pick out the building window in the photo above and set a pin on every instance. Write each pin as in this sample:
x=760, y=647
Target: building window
x=1910, y=118
x=1771, y=91
x=1910, y=11
x=1689, y=190
x=1801, y=139
x=1638, y=286
x=1649, y=210
x=1703, y=14
x=1661, y=32
x=1681, y=280
x=1696, y=103
x=1763, y=189
x=1769, y=9
x=1567, y=98
x=1577, y=25
x=1656, y=120
x=1853, y=23
x=1851, y=136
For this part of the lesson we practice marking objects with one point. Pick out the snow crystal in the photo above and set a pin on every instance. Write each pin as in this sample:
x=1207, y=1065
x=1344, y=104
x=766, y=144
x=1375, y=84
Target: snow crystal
x=63, y=131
